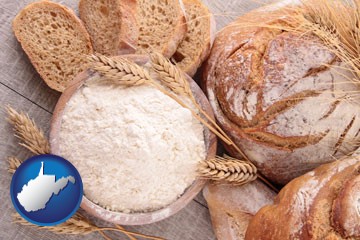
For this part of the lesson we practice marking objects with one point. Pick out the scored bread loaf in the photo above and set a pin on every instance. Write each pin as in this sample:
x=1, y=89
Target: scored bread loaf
x=111, y=25
x=283, y=97
x=232, y=207
x=195, y=47
x=54, y=40
x=322, y=204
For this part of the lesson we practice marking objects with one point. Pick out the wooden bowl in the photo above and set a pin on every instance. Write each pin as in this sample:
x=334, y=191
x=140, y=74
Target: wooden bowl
x=133, y=218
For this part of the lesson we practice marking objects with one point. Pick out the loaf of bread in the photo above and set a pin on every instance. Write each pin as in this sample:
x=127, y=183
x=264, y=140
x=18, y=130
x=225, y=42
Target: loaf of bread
x=322, y=204
x=195, y=47
x=111, y=24
x=284, y=99
x=55, y=40
x=232, y=207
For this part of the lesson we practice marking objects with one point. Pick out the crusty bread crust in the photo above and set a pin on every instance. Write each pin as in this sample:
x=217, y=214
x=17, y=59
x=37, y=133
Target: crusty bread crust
x=272, y=94
x=52, y=79
x=232, y=207
x=307, y=207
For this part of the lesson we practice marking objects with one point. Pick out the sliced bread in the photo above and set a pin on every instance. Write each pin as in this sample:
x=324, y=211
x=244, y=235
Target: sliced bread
x=162, y=26
x=55, y=41
x=195, y=47
x=111, y=25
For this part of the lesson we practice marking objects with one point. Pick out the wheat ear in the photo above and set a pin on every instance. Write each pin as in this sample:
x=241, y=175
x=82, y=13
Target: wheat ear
x=122, y=70
x=26, y=130
x=228, y=170
x=14, y=163
x=170, y=75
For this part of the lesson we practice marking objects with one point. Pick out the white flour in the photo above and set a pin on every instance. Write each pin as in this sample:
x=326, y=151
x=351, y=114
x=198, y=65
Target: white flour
x=135, y=148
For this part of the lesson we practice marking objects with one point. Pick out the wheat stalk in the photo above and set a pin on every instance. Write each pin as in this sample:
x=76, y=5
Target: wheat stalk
x=227, y=169
x=77, y=224
x=173, y=79
x=109, y=67
x=80, y=225
x=128, y=235
x=122, y=70
x=26, y=130
x=336, y=23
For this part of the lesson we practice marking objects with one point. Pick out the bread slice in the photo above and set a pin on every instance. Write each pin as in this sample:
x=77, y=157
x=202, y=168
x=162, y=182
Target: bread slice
x=55, y=41
x=195, y=47
x=111, y=25
x=162, y=26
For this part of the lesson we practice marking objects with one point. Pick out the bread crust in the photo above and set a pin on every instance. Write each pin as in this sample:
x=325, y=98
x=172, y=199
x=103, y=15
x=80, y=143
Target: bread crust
x=17, y=24
x=232, y=207
x=304, y=208
x=267, y=108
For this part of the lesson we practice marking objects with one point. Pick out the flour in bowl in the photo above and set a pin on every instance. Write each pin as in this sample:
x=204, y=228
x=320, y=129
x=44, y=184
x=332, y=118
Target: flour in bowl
x=135, y=148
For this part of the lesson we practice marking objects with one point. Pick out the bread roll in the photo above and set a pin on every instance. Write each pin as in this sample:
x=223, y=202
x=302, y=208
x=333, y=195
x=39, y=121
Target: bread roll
x=283, y=97
x=232, y=207
x=322, y=204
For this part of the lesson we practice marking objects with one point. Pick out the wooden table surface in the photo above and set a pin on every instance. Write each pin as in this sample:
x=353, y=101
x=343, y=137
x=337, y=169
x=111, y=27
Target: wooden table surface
x=22, y=88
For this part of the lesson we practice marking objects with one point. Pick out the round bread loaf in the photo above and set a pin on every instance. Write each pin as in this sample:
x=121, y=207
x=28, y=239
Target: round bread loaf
x=283, y=97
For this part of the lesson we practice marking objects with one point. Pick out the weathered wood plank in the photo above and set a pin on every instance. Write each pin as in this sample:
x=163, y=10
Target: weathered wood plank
x=9, y=147
x=192, y=223
x=227, y=11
